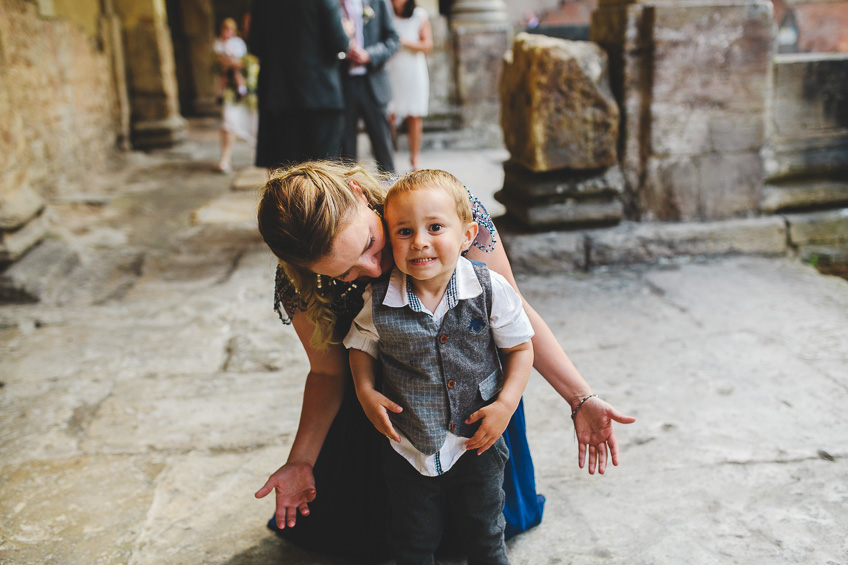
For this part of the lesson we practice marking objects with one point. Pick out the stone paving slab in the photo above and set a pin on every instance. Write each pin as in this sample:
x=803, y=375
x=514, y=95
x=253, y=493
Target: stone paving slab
x=734, y=368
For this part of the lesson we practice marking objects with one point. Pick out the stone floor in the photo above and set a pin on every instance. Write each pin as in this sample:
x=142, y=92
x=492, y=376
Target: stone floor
x=152, y=390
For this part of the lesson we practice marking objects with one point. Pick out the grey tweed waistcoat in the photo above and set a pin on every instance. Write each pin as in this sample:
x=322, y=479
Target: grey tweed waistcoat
x=439, y=374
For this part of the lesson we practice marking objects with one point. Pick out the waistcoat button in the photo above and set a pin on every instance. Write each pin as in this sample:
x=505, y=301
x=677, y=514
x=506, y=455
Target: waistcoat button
x=443, y=338
x=451, y=383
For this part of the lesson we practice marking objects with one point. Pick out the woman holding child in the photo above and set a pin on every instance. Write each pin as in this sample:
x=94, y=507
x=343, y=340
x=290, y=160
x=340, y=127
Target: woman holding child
x=323, y=221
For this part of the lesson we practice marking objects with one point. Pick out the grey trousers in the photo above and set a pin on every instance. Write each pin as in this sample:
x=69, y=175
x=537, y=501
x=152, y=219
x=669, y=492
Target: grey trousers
x=472, y=491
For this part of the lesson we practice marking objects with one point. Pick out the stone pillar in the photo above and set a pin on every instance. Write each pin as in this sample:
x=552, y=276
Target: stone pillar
x=477, y=12
x=152, y=83
x=560, y=124
x=693, y=80
x=480, y=35
x=194, y=36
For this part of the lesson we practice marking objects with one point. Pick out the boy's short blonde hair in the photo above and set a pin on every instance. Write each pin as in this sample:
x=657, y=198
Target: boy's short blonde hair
x=434, y=178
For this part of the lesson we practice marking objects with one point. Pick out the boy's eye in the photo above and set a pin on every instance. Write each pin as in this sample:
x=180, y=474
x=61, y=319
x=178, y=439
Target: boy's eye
x=404, y=232
x=435, y=227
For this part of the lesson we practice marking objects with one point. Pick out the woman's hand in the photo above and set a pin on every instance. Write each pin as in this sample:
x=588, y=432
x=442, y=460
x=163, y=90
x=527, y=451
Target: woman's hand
x=495, y=418
x=377, y=407
x=295, y=488
x=593, y=425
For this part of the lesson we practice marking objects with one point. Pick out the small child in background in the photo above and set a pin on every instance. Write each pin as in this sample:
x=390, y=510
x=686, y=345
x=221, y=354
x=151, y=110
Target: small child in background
x=230, y=49
x=433, y=330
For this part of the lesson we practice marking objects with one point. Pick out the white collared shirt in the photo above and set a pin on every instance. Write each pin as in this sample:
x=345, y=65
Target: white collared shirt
x=509, y=324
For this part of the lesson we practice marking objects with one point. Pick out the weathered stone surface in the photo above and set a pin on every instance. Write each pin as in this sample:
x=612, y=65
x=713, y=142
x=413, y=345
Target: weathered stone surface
x=478, y=52
x=37, y=273
x=563, y=212
x=152, y=80
x=18, y=207
x=562, y=198
x=808, y=118
x=693, y=80
x=566, y=184
x=75, y=511
x=803, y=194
x=643, y=243
x=545, y=252
x=647, y=243
x=557, y=110
x=222, y=411
x=702, y=186
x=233, y=208
x=250, y=178
x=818, y=227
x=13, y=244
x=57, y=102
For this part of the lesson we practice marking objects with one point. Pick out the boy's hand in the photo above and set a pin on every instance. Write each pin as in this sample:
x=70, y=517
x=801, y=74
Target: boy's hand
x=376, y=407
x=495, y=418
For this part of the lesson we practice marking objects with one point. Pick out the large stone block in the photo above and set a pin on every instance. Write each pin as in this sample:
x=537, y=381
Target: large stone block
x=808, y=118
x=803, y=194
x=557, y=109
x=693, y=80
x=825, y=228
x=702, y=186
x=18, y=207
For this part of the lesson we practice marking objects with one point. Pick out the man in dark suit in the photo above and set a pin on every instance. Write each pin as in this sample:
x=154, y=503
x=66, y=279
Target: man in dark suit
x=366, y=81
x=301, y=104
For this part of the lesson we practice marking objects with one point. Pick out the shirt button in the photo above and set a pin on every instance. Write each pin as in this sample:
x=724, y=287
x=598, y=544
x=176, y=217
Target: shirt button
x=443, y=338
x=452, y=426
x=451, y=383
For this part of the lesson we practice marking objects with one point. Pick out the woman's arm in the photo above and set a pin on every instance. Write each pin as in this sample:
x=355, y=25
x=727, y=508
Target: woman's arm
x=322, y=398
x=593, y=423
x=425, y=39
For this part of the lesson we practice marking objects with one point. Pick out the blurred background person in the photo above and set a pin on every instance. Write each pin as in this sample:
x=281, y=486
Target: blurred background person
x=301, y=103
x=236, y=91
x=367, y=86
x=408, y=71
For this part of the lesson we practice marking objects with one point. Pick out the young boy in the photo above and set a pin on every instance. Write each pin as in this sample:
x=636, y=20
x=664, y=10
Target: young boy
x=434, y=327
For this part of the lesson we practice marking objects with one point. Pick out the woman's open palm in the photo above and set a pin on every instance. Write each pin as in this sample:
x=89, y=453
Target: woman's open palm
x=593, y=425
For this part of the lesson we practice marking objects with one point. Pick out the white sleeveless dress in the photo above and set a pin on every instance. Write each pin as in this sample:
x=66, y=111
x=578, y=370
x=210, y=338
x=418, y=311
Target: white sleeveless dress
x=408, y=70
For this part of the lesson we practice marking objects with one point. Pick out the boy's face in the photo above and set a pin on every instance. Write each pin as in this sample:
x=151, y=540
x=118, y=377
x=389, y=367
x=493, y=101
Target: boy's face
x=426, y=233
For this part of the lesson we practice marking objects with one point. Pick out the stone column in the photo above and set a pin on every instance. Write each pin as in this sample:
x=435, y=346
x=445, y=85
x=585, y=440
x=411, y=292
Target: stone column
x=480, y=35
x=152, y=83
x=692, y=79
x=560, y=124
x=194, y=36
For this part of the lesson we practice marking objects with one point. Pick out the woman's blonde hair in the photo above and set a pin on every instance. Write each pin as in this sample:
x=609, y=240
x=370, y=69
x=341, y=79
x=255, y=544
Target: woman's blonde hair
x=302, y=210
x=434, y=178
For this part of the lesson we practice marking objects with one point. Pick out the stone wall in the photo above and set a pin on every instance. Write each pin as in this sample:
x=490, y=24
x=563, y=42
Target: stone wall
x=692, y=79
x=806, y=154
x=57, y=109
x=58, y=113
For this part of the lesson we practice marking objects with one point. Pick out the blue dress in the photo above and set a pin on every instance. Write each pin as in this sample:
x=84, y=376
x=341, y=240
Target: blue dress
x=350, y=514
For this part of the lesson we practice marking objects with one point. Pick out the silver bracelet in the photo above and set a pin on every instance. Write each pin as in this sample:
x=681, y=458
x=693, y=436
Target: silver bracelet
x=576, y=410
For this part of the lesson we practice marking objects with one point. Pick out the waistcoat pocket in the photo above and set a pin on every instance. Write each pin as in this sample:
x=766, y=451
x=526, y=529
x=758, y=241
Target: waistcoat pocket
x=490, y=386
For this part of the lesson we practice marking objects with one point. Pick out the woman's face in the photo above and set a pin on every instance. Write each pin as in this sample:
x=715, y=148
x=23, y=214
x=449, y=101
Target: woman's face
x=398, y=6
x=359, y=250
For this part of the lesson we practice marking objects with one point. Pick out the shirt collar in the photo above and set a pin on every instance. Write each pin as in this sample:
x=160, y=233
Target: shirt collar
x=463, y=285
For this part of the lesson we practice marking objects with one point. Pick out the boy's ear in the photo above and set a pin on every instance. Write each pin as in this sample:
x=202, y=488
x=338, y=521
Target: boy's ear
x=471, y=230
